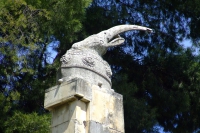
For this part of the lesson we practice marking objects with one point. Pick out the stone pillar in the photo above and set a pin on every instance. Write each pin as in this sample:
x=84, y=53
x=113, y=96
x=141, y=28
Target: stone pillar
x=78, y=106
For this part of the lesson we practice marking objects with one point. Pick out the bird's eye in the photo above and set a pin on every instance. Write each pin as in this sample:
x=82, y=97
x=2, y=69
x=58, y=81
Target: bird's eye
x=101, y=42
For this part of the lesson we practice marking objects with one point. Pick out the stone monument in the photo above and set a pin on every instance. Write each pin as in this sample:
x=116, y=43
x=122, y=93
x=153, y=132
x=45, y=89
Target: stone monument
x=83, y=101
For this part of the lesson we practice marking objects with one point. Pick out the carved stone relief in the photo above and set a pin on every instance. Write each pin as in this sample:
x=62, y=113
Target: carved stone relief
x=108, y=69
x=65, y=59
x=88, y=61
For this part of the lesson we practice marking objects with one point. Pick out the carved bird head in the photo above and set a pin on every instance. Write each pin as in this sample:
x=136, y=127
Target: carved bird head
x=100, y=42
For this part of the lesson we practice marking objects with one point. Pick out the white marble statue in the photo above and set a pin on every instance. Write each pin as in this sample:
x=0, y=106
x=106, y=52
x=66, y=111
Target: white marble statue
x=107, y=38
x=84, y=59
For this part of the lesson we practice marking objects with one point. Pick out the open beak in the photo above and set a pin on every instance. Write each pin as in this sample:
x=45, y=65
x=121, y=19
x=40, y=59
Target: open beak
x=117, y=40
x=114, y=39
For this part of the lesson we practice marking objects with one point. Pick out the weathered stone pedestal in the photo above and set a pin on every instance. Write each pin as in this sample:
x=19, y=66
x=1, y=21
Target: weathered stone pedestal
x=80, y=107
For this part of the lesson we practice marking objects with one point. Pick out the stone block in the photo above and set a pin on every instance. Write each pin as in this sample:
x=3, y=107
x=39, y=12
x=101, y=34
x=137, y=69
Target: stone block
x=80, y=107
x=106, y=111
x=87, y=75
x=69, y=118
x=66, y=92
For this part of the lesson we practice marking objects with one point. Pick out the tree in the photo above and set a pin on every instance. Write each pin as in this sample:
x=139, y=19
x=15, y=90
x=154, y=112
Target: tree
x=154, y=70
x=26, y=29
x=27, y=123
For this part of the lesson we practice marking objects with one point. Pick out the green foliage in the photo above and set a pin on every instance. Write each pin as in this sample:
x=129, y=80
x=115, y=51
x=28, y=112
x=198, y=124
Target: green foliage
x=27, y=28
x=28, y=123
x=6, y=104
x=138, y=115
x=67, y=19
x=22, y=23
x=169, y=85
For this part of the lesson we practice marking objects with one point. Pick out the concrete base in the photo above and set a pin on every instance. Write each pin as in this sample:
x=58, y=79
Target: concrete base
x=80, y=107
